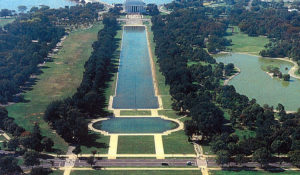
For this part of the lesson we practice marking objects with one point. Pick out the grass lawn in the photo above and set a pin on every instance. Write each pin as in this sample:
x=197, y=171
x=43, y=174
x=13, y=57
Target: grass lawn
x=177, y=143
x=134, y=112
x=4, y=21
x=162, y=87
x=2, y=138
x=136, y=145
x=59, y=79
x=146, y=172
x=252, y=172
x=57, y=172
x=168, y=113
x=101, y=144
x=243, y=43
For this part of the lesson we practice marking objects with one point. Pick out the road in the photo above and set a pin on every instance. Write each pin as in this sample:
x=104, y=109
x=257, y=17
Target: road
x=136, y=162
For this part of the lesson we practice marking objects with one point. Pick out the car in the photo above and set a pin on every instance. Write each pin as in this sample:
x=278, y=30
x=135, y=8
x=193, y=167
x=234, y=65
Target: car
x=164, y=164
x=189, y=163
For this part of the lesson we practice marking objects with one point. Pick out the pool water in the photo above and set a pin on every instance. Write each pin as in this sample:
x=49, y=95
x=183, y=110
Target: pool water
x=135, y=125
x=135, y=89
x=255, y=83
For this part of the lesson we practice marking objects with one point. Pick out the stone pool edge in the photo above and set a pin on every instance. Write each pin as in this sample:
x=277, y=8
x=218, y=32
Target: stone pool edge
x=105, y=133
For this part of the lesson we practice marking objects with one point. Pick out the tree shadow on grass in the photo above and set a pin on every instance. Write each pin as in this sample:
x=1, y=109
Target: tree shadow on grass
x=91, y=141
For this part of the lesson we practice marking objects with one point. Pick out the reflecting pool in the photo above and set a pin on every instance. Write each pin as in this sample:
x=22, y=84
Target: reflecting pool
x=135, y=89
x=255, y=83
x=135, y=125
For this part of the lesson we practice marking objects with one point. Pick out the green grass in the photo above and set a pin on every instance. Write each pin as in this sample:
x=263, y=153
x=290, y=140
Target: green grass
x=136, y=145
x=125, y=112
x=59, y=80
x=3, y=21
x=244, y=133
x=101, y=145
x=162, y=87
x=223, y=172
x=207, y=150
x=168, y=113
x=132, y=172
x=177, y=143
x=243, y=43
x=57, y=172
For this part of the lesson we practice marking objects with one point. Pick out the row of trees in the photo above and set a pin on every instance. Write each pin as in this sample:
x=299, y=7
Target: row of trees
x=68, y=116
x=196, y=91
x=26, y=42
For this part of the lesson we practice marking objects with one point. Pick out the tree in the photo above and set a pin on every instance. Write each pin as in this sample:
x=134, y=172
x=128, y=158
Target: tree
x=77, y=150
x=40, y=171
x=294, y=157
x=262, y=156
x=240, y=158
x=94, y=152
x=9, y=165
x=286, y=77
x=48, y=144
x=223, y=157
x=91, y=160
x=22, y=8
x=5, y=12
x=13, y=144
x=31, y=158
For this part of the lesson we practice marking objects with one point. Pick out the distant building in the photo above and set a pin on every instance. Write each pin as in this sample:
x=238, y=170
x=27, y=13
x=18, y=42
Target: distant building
x=134, y=6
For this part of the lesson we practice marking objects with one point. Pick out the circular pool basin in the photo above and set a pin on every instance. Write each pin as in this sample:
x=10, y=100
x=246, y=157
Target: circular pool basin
x=127, y=125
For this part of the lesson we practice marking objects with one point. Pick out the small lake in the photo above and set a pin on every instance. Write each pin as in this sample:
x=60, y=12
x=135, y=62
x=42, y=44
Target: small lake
x=13, y=4
x=135, y=88
x=255, y=83
x=135, y=125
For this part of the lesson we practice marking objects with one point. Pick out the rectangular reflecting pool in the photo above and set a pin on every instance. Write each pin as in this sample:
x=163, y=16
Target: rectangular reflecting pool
x=135, y=89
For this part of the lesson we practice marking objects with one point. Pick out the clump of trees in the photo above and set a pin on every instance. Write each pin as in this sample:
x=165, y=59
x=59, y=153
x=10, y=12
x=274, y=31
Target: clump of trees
x=26, y=42
x=196, y=92
x=68, y=116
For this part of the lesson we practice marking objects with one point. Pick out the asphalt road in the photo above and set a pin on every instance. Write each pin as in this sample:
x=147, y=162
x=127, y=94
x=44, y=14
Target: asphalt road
x=136, y=162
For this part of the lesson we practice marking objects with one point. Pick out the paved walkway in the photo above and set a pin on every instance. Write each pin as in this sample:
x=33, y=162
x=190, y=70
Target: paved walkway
x=159, y=147
x=113, y=146
x=70, y=161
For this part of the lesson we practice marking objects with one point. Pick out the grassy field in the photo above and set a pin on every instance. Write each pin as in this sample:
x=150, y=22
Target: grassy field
x=148, y=172
x=57, y=172
x=136, y=145
x=177, y=143
x=134, y=113
x=59, y=79
x=3, y=21
x=253, y=173
x=243, y=43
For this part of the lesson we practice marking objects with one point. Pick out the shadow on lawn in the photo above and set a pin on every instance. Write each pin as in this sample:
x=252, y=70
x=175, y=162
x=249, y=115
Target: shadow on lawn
x=91, y=141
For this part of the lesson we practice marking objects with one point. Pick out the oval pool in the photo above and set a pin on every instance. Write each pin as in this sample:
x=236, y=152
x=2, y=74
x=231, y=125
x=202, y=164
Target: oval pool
x=135, y=125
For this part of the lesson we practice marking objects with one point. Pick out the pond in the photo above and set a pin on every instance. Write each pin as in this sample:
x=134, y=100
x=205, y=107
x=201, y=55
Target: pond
x=254, y=82
x=135, y=125
x=13, y=4
x=135, y=89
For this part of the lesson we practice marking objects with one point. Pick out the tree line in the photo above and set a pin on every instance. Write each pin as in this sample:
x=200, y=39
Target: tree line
x=197, y=92
x=69, y=116
x=26, y=42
